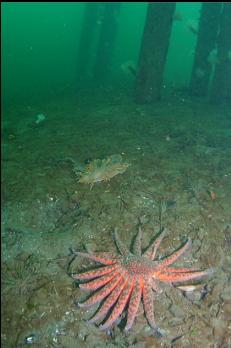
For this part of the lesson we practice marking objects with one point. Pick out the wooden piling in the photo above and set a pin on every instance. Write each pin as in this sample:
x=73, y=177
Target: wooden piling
x=88, y=31
x=221, y=87
x=205, y=56
x=106, y=43
x=153, y=53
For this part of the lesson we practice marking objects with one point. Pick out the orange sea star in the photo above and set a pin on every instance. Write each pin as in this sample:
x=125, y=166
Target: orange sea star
x=127, y=278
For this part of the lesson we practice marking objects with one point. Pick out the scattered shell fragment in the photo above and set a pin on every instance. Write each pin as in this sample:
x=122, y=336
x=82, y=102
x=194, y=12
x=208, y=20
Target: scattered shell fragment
x=187, y=287
x=194, y=293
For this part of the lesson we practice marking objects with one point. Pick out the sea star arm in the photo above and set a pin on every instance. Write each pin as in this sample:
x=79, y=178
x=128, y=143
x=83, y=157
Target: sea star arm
x=178, y=270
x=121, y=303
x=175, y=255
x=102, y=293
x=133, y=304
x=95, y=273
x=171, y=277
x=152, y=249
x=120, y=245
x=137, y=243
x=98, y=282
x=109, y=302
x=148, y=305
x=104, y=258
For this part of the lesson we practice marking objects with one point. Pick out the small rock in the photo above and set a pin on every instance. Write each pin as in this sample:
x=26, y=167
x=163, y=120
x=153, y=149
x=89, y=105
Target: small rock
x=219, y=327
x=176, y=311
x=196, y=295
x=175, y=321
x=226, y=294
x=31, y=339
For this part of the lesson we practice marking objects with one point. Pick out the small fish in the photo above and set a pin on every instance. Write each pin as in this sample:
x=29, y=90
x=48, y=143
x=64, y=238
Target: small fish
x=212, y=57
x=192, y=26
x=129, y=67
x=11, y=136
x=199, y=73
x=213, y=195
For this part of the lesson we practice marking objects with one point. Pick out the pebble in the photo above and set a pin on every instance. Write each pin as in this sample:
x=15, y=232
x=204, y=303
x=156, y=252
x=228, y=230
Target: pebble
x=177, y=311
x=31, y=339
x=226, y=294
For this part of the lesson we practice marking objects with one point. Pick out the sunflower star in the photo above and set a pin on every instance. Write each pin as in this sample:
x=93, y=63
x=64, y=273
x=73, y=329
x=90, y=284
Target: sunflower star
x=127, y=278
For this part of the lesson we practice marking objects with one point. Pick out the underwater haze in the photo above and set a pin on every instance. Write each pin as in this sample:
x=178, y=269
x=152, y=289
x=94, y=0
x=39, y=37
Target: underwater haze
x=40, y=46
x=116, y=174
